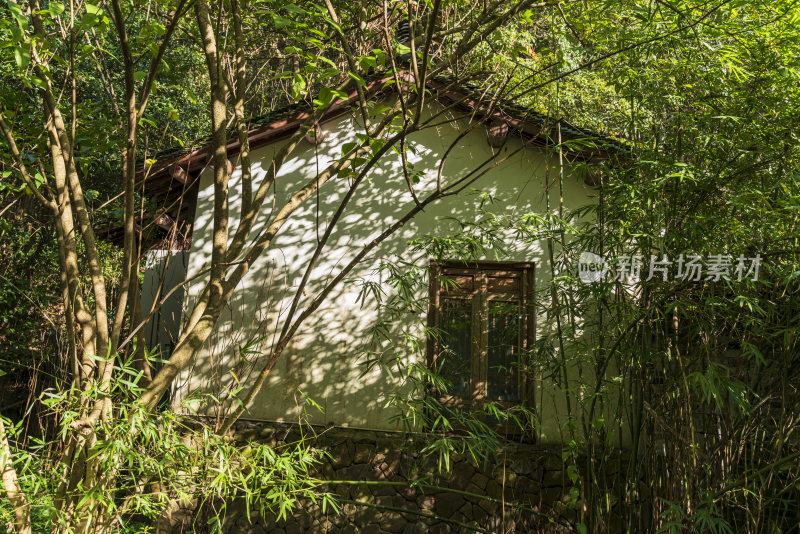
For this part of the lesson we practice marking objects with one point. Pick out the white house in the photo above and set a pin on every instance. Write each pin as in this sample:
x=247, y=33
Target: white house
x=488, y=318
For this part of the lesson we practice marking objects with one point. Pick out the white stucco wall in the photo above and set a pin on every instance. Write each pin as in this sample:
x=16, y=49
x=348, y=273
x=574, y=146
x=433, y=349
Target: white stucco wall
x=323, y=361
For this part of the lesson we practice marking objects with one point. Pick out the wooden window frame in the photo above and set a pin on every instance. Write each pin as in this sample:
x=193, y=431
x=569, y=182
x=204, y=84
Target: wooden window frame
x=480, y=295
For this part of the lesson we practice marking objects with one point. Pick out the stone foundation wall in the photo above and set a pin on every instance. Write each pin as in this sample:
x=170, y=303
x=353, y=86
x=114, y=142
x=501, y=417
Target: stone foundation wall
x=380, y=499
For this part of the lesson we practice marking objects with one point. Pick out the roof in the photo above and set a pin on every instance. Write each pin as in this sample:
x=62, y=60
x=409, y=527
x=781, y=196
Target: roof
x=469, y=92
x=283, y=122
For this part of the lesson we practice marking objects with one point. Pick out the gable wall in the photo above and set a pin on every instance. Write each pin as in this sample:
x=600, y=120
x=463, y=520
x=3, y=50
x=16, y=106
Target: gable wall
x=323, y=361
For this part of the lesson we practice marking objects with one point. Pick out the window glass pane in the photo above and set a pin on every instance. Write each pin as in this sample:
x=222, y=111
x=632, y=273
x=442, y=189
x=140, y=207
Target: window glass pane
x=503, y=351
x=456, y=349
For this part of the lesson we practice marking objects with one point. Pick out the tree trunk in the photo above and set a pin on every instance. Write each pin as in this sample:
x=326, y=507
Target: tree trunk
x=22, y=510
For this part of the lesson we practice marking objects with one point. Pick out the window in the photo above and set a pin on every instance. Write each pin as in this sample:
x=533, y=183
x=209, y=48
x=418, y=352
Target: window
x=484, y=324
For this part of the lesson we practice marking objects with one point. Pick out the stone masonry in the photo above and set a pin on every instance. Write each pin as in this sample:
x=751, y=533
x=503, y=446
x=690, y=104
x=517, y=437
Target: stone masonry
x=524, y=489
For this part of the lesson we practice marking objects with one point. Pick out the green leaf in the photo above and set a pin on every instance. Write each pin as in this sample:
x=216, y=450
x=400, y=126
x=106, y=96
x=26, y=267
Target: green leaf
x=357, y=78
x=22, y=56
x=379, y=110
x=294, y=8
x=55, y=8
x=89, y=20
x=324, y=98
x=17, y=34
x=281, y=22
x=380, y=56
x=298, y=86
x=367, y=62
